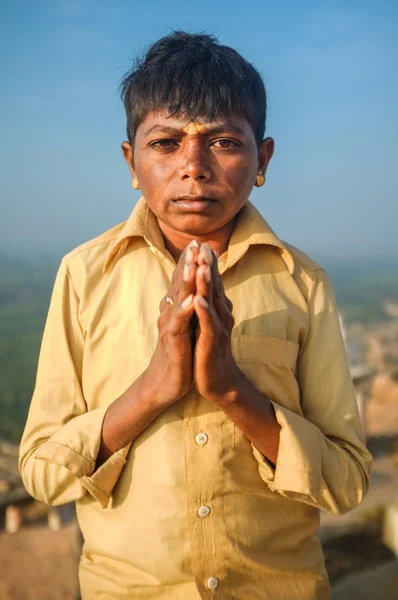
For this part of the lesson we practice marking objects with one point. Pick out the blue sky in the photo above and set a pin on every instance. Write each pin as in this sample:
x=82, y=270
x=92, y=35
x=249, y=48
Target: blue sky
x=331, y=71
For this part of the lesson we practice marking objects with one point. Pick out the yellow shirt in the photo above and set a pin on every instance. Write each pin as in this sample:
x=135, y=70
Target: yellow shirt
x=191, y=509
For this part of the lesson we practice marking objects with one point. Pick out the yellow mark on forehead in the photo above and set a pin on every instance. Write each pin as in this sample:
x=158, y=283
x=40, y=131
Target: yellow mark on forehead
x=193, y=128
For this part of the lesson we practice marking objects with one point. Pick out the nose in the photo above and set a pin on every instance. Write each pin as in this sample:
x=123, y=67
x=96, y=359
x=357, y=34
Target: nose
x=195, y=163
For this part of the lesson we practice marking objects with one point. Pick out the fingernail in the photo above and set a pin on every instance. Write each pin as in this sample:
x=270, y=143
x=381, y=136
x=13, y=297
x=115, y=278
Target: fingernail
x=207, y=273
x=207, y=255
x=187, y=302
x=202, y=301
x=194, y=244
x=186, y=273
x=189, y=256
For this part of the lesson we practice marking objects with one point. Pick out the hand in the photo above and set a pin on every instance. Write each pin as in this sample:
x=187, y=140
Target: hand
x=169, y=374
x=215, y=371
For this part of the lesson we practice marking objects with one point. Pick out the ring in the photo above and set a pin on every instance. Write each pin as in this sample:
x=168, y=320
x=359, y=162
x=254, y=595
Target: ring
x=169, y=300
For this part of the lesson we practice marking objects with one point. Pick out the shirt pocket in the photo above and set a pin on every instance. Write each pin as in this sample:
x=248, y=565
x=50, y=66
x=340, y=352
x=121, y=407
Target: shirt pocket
x=270, y=364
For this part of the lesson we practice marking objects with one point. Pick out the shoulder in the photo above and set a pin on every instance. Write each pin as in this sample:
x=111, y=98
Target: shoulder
x=98, y=246
x=308, y=274
x=85, y=263
x=302, y=260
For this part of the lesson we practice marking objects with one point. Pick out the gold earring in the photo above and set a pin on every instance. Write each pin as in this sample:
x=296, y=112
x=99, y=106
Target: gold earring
x=135, y=184
x=260, y=180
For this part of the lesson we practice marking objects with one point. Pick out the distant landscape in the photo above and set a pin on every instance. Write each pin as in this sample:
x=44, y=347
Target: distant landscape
x=367, y=293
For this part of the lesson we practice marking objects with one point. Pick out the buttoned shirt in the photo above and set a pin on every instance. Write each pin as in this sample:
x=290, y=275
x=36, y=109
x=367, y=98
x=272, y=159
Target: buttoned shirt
x=191, y=508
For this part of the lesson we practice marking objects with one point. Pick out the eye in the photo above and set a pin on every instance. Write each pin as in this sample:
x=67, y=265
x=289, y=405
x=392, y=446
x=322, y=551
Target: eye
x=163, y=144
x=226, y=144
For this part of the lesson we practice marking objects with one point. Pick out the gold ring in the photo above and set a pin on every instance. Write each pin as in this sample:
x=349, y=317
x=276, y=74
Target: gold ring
x=169, y=300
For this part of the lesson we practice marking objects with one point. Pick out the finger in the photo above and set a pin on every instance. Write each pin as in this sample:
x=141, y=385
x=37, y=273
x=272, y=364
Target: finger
x=206, y=255
x=180, y=316
x=208, y=321
x=187, y=265
x=164, y=303
x=188, y=282
x=183, y=279
x=191, y=252
x=222, y=304
x=223, y=307
x=204, y=286
x=210, y=257
x=218, y=286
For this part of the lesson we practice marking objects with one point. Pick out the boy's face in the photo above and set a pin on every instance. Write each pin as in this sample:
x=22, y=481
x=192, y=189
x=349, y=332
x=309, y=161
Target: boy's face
x=196, y=176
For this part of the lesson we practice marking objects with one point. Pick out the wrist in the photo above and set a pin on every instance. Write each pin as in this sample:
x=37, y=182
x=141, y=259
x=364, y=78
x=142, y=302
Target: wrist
x=228, y=390
x=159, y=394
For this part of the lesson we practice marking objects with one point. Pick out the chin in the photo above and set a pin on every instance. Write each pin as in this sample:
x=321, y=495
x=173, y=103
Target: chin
x=198, y=224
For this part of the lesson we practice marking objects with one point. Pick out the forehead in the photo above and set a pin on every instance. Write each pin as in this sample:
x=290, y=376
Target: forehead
x=156, y=121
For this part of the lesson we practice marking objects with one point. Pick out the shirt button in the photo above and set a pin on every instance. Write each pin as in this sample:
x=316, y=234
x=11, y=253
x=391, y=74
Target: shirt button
x=204, y=511
x=212, y=583
x=201, y=439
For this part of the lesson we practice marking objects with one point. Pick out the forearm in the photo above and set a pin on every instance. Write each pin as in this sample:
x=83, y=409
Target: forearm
x=128, y=416
x=253, y=413
x=89, y=452
x=169, y=375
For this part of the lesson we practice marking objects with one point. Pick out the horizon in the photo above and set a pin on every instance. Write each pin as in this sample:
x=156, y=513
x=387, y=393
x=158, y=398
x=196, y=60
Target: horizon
x=55, y=253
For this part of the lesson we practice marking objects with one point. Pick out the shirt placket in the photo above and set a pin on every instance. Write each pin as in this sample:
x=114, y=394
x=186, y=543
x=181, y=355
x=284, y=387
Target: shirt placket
x=203, y=448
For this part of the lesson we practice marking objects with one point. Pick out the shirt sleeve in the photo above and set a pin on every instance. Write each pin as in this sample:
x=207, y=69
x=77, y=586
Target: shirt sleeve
x=322, y=458
x=61, y=439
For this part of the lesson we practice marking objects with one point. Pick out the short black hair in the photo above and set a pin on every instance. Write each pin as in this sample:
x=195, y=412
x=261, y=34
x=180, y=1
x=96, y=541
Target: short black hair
x=194, y=75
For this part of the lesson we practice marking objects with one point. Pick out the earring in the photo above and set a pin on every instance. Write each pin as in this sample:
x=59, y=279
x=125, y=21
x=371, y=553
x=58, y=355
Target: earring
x=135, y=184
x=260, y=180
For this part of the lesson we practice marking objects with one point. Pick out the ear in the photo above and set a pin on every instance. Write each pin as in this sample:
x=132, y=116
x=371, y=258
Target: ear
x=128, y=154
x=265, y=153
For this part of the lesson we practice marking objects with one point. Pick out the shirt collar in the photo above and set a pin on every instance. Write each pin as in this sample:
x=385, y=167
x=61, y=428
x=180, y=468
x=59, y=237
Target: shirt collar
x=251, y=228
x=141, y=223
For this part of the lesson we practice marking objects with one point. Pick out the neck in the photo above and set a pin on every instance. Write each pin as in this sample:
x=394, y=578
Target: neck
x=176, y=241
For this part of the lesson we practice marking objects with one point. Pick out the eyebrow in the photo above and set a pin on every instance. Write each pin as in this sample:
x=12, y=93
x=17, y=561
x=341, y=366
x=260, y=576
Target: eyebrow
x=206, y=131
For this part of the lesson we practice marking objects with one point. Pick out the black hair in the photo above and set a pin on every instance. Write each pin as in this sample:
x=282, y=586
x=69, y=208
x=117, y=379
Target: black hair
x=192, y=74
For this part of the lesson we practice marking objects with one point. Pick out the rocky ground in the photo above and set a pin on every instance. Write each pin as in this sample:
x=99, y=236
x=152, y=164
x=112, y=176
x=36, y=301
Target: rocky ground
x=38, y=564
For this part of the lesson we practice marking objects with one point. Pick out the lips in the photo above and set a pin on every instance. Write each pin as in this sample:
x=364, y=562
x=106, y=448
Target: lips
x=191, y=203
x=193, y=198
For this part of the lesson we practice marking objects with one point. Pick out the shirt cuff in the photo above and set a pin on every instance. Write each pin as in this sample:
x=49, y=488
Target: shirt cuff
x=103, y=480
x=75, y=446
x=299, y=462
